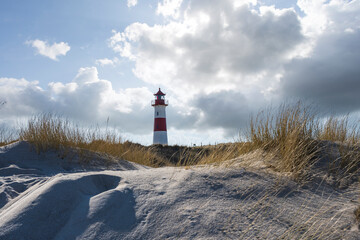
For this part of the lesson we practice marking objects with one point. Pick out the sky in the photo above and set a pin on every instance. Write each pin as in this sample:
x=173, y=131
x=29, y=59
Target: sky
x=100, y=62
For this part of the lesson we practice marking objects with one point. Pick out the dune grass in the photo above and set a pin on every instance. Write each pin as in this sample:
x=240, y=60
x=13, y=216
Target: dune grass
x=222, y=152
x=295, y=134
x=6, y=136
x=338, y=129
x=289, y=133
x=292, y=133
x=51, y=132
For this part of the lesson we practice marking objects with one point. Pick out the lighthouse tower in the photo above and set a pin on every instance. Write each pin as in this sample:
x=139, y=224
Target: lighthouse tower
x=160, y=133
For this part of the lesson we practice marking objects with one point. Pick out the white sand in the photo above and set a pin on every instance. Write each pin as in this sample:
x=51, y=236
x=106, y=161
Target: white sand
x=46, y=197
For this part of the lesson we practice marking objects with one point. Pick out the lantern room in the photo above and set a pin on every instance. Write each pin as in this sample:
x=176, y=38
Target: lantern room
x=159, y=99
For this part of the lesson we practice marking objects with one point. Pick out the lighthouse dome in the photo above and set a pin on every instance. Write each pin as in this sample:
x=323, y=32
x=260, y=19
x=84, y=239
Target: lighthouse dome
x=159, y=93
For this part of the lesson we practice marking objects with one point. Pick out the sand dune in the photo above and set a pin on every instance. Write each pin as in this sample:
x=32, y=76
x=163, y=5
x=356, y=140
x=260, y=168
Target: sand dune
x=47, y=197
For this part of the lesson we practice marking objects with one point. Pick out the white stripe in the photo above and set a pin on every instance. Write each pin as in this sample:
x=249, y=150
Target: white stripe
x=160, y=137
x=159, y=112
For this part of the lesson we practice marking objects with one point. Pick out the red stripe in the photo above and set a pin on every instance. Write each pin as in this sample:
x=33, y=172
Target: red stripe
x=160, y=124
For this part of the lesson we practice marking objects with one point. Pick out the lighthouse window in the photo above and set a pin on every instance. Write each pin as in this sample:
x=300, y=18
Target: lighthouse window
x=157, y=113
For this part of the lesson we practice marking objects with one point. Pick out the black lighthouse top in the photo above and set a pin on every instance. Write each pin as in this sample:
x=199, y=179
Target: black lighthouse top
x=159, y=99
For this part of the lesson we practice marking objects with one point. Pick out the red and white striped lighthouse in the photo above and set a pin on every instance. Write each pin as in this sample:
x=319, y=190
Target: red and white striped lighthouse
x=160, y=133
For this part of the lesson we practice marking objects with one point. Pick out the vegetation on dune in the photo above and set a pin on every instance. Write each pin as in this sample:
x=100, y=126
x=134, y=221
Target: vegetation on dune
x=288, y=132
x=51, y=132
x=292, y=133
x=6, y=136
x=296, y=137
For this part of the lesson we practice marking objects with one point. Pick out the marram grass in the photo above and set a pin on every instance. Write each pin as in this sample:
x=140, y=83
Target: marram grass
x=291, y=132
x=48, y=131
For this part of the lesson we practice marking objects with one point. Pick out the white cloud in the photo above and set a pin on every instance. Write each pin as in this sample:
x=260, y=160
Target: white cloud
x=131, y=3
x=100, y=97
x=169, y=8
x=213, y=47
x=22, y=97
x=238, y=3
x=325, y=16
x=86, y=98
x=50, y=51
x=106, y=61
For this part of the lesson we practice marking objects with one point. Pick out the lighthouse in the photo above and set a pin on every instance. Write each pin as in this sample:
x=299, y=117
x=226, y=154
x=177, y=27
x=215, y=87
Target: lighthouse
x=159, y=104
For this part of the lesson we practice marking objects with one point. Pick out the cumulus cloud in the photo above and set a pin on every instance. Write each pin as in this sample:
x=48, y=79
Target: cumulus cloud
x=131, y=3
x=169, y=8
x=50, y=51
x=86, y=98
x=213, y=46
x=225, y=47
x=22, y=97
x=330, y=76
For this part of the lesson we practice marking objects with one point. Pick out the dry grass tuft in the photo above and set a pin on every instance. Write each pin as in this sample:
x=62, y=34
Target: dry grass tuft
x=291, y=133
x=51, y=132
x=338, y=129
x=295, y=134
x=288, y=132
x=223, y=152
x=6, y=136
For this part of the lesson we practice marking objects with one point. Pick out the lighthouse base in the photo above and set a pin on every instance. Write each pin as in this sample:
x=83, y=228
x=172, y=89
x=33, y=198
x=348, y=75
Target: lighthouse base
x=160, y=137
